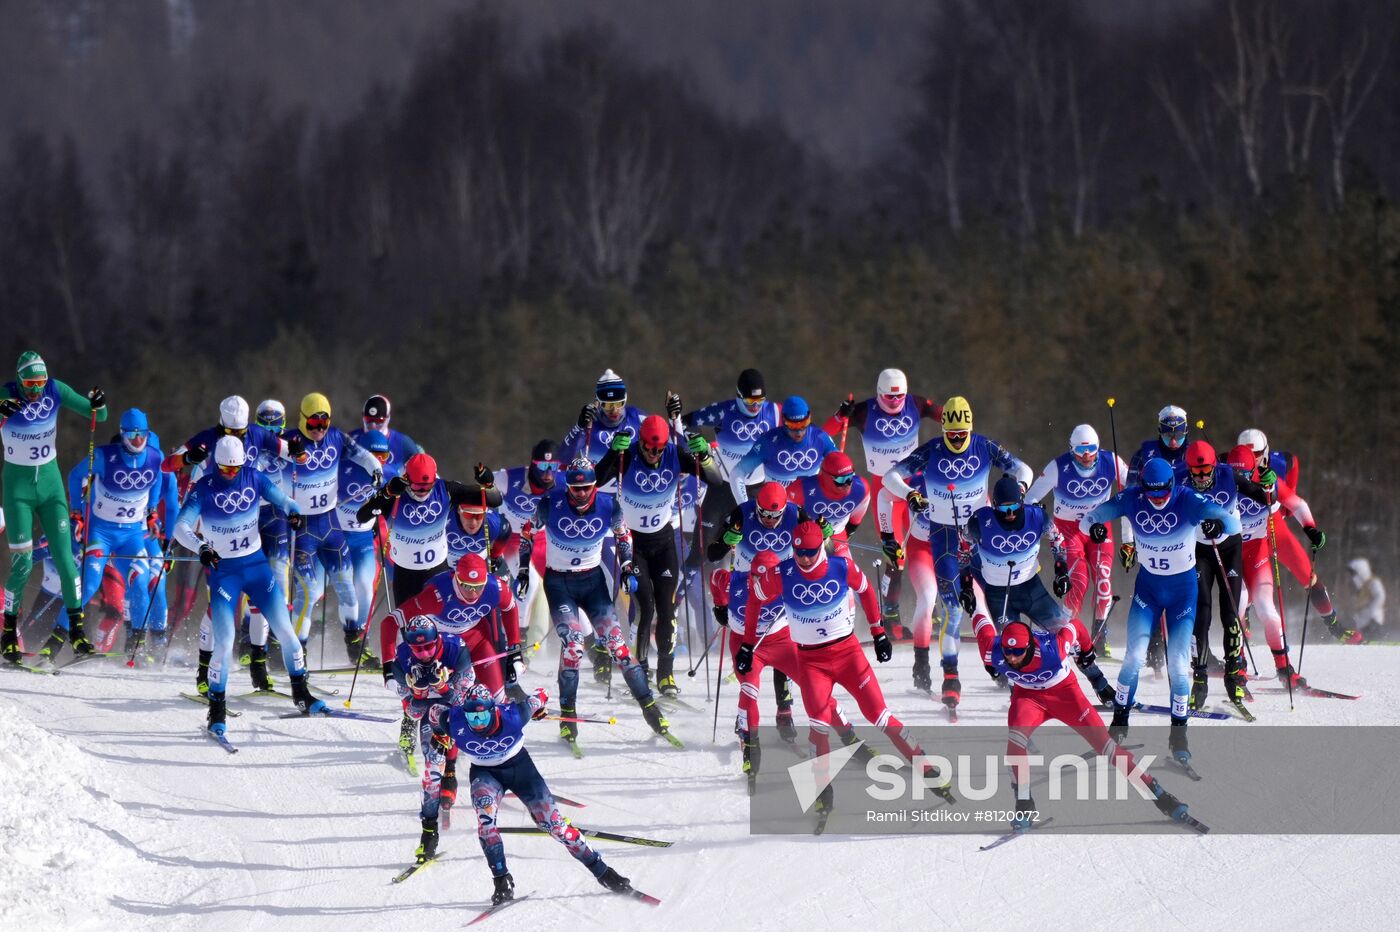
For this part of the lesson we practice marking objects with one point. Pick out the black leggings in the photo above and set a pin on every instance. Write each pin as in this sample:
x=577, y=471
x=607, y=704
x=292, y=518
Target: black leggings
x=1208, y=574
x=654, y=553
x=410, y=582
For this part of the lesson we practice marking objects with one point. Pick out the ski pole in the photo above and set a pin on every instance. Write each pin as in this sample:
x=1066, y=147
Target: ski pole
x=147, y=556
x=1113, y=431
x=150, y=602
x=610, y=720
x=693, y=669
x=1278, y=590
x=719, y=681
x=1201, y=426
x=87, y=492
x=704, y=579
x=1102, y=625
x=504, y=653
x=1006, y=599
x=360, y=654
x=846, y=422
x=1307, y=609
x=1234, y=604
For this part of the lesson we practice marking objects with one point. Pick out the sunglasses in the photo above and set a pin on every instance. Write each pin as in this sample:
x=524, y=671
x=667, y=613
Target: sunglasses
x=424, y=650
x=611, y=408
x=235, y=431
x=318, y=422
x=769, y=515
x=33, y=383
x=229, y=472
x=805, y=553
x=134, y=436
x=844, y=480
x=1009, y=508
x=546, y=465
x=1014, y=651
x=653, y=451
x=478, y=718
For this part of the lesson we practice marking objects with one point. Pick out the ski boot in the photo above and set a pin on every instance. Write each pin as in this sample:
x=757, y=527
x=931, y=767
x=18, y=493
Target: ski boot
x=201, y=676
x=752, y=757
x=306, y=703
x=1214, y=664
x=923, y=679
x=447, y=792
x=1286, y=674
x=160, y=647
x=218, y=712
x=786, y=729
x=1200, y=685
x=1118, y=729
x=952, y=686
x=9, y=639
x=81, y=645
x=505, y=889
x=1167, y=804
x=654, y=718
x=53, y=646
x=1236, y=676
x=1088, y=663
x=666, y=685
x=257, y=669
x=568, y=731
x=427, y=842
x=245, y=652
x=848, y=737
x=1176, y=743
x=1101, y=640
x=355, y=649
x=822, y=808
x=407, y=729
x=602, y=664
x=615, y=881
x=1022, y=822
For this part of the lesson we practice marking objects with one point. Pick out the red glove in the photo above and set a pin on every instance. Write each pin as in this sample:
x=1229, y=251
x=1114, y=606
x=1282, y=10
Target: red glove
x=719, y=586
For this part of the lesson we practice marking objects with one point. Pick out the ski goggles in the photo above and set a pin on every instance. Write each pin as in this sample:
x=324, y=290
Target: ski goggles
x=427, y=650
x=135, y=439
x=544, y=467
x=33, y=386
x=319, y=421
x=893, y=400
x=465, y=588
x=239, y=432
x=478, y=719
x=612, y=410
x=806, y=553
x=1158, y=496
x=1173, y=435
x=1008, y=508
x=1013, y=653
x=797, y=423
x=229, y=472
x=1085, y=450
x=383, y=456
x=752, y=402
x=844, y=479
x=421, y=490
x=766, y=515
x=957, y=438
x=375, y=423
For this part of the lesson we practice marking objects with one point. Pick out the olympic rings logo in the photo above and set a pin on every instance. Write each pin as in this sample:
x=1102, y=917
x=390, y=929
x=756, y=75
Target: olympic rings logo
x=485, y=747
x=458, y=542
x=580, y=527
x=1249, y=507
x=422, y=514
x=797, y=460
x=131, y=479
x=1013, y=543
x=1039, y=676
x=652, y=481
x=37, y=410
x=963, y=468
x=1220, y=497
x=523, y=503
x=1086, y=488
x=322, y=458
x=816, y=593
x=1155, y=524
x=769, y=540
x=466, y=615
x=833, y=511
x=894, y=426
x=233, y=502
x=358, y=491
x=747, y=430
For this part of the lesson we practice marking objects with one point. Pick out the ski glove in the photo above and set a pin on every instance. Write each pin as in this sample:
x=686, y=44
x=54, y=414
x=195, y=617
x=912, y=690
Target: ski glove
x=697, y=445
x=1127, y=555
x=296, y=447
x=515, y=664
x=732, y=537
x=522, y=583
x=483, y=476
x=967, y=597
x=543, y=697
x=1211, y=527
x=1098, y=532
x=396, y=487
x=916, y=501
x=884, y=650
x=1267, y=477
x=296, y=521
x=387, y=668
x=1061, y=579
x=673, y=406
x=743, y=660
x=196, y=456
x=630, y=573
x=9, y=407
x=585, y=417
x=621, y=441
x=1319, y=539
x=97, y=398
x=75, y=518
x=892, y=548
x=847, y=408
x=721, y=614
x=825, y=525
x=208, y=556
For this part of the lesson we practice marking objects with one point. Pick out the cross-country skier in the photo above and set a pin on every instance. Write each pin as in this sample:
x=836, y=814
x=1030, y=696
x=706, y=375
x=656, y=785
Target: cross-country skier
x=786, y=453
x=376, y=418
x=955, y=468
x=577, y=518
x=738, y=422
x=648, y=477
x=1043, y=688
x=607, y=415
x=521, y=488
x=837, y=496
x=1368, y=619
x=1165, y=516
x=888, y=426
x=1170, y=445
x=225, y=504
x=1006, y=537
x=1082, y=479
x=491, y=736
x=34, y=489
x=475, y=528
x=356, y=487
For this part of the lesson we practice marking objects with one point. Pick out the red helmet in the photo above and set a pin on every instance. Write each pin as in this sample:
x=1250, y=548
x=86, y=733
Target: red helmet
x=421, y=472
x=471, y=573
x=655, y=432
x=1241, y=457
x=772, y=498
x=837, y=474
x=1200, y=455
x=763, y=574
x=808, y=536
x=1016, y=636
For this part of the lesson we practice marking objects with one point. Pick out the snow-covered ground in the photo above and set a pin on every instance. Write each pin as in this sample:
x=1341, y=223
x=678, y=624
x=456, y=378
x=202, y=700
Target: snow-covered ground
x=116, y=813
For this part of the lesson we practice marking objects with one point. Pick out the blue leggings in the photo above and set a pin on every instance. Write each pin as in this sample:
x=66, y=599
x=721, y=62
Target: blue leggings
x=1153, y=596
x=362, y=569
x=106, y=539
x=320, y=552
x=943, y=542
x=520, y=776
x=228, y=582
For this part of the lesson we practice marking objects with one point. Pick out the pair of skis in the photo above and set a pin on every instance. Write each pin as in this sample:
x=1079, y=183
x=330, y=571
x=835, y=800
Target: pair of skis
x=490, y=911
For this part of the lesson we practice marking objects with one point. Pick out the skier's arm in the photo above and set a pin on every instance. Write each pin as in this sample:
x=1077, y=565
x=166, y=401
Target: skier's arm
x=869, y=601
x=1206, y=508
x=360, y=456
x=425, y=602
x=928, y=410
x=276, y=497
x=1043, y=484
x=708, y=416
x=527, y=533
x=608, y=468
x=509, y=611
x=858, y=513
x=79, y=403
x=897, y=479
x=708, y=468
x=1056, y=539
x=1001, y=457
x=739, y=478
x=1251, y=489
x=76, y=477
x=1128, y=537
x=189, y=516
x=170, y=495
x=732, y=528
x=1115, y=507
x=836, y=422
x=622, y=536
x=469, y=493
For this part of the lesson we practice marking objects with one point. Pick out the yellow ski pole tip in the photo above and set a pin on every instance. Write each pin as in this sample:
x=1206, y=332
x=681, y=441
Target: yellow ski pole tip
x=612, y=720
x=347, y=703
x=1200, y=424
x=1112, y=402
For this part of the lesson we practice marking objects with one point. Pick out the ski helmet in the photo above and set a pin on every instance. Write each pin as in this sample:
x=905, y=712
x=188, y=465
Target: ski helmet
x=611, y=388
x=1256, y=441
x=582, y=482
x=1241, y=457
x=655, y=433
x=1200, y=463
x=837, y=474
x=421, y=635
x=135, y=430
x=1016, y=638
x=796, y=412
x=763, y=566
x=1361, y=569
x=544, y=460
x=1171, y=426
x=470, y=577
x=272, y=415
x=376, y=412
x=1006, y=495
x=771, y=501
x=1158, y=477
x=233, y=414
x=315, y=412
x=421, y=474
x=229, y=455
x=957, y=424
x=750, y=391
x=376, y=443
x=1084, y=445
x=482, y=714
x=807, y=543
x=31, y=368
x=890, y=389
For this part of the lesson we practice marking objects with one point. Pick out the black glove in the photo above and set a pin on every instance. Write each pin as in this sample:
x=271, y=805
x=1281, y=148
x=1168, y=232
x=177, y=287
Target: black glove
x=884, y=650
x=1098, y=532
x=207, y=556
x=721, y=614
x=97, y=398
x=522, y=583
x=197, y=455
x=1127, y=555
x=967, y=597
x=916, y=501
x=377, y=504
x=514, y=663
x=296, y=445
x=991, y=671
x=1315, y=535
x=673, y=406
x=296, y=521
x=396, y=486
x=847, y=408
x=743, y=660
x=1061, y=579
x=1211, y=527
x=894, y=552
x=497, y=565
x=585, y=417
x=9, y=407
x=388, y=671
x=483, y=476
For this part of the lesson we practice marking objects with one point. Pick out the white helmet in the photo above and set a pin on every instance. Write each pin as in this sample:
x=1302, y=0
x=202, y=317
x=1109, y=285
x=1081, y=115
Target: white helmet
x=1361, y=567
x=233, y=413
x=891, y=382
x=1083, y=435
x=1254, y=439
x=229, y=452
